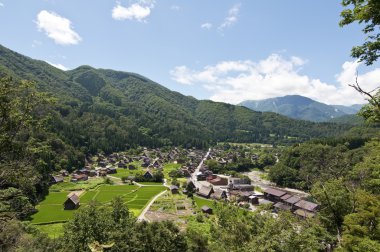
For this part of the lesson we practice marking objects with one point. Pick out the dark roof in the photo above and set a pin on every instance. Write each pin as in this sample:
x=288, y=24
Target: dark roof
x=275, y=192
x=292, y=200
x=282, y=206
x=307, y=205
x=173, y=187
x=286, y=196
x=74, y=198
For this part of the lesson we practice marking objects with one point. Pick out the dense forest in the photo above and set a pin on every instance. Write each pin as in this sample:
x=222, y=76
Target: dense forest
x=107, y=110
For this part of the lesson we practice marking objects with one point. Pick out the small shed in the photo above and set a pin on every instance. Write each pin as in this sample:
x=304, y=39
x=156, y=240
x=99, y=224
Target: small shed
x=174, y=189
x=71, y=203
x=206, y=209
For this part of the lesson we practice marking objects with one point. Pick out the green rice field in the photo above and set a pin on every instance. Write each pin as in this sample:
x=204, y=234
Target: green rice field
x=51, y=210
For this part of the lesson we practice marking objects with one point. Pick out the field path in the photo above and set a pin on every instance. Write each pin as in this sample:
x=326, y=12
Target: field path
x=142, y=215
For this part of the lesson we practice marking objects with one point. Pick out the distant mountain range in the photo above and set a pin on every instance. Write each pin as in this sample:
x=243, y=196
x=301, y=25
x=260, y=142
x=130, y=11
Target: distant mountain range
x=300, y=107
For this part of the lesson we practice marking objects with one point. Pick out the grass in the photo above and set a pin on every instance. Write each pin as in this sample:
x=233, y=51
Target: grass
x=170, y=167
x=121, y=172
x=51, y=209
x=151, y=183
x=53, y=230
x=203, y=202
x=71, y=186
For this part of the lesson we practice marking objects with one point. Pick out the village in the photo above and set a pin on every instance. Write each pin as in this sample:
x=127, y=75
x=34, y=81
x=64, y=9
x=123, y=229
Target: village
x=190, y=177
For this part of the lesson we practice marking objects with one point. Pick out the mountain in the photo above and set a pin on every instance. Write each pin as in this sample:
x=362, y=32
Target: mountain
x=300, y=107
x=107, y=110
x=348, y=119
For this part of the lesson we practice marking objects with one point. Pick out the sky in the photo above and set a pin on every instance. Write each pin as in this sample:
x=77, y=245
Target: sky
x=222, y=50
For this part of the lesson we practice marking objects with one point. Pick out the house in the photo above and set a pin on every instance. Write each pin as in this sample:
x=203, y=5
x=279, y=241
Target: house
x=186, y=172
x=219, y=194
x=111, y=170
x=131, y=167
x=72, y=202
x=205, y=191
x=92, y=173
x=122, y=164
x=236, y=181
x=190, y=185
x=56, y=179
x=286, y=196
x=174, y=189
x=273, y=194
x=148, y=175
x=102, y=163
x=216, y=180
x=282, y=206
x=306, y=205
x=64, y=173
x=206, y=209
x=243, y=187
x=201, y=176
x=291, y=201
x=156, y=163
x=254, y=200
x=240, y=195
x=79, y=177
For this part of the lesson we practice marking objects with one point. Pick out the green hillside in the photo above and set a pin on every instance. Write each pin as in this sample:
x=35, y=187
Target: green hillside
x=108, y=110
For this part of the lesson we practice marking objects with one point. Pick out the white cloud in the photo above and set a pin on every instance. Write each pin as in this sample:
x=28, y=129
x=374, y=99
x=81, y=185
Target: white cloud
x=59, y=66
x=1, y=4
x=175, y=7
x=206, y=26
x=57, y=28
x=137, y=11
x=232, y=17
x=236, y=81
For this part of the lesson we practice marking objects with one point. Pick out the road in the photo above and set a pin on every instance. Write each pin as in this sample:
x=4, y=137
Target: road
x=194, y=175
x=142, y=215
x=256, y=179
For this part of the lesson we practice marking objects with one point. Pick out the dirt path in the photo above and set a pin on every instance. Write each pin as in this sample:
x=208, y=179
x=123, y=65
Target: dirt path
x=256, y=179
x=142, y=215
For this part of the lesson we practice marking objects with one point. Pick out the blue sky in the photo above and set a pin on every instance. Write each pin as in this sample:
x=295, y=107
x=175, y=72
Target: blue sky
x=221, y=50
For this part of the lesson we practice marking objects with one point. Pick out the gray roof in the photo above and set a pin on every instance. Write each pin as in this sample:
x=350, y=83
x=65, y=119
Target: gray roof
x=206, y=208
x=173, y=187
x=274, y=192
x=74, y=198
x=205, y=191
x=307, y=205
x=292, y=200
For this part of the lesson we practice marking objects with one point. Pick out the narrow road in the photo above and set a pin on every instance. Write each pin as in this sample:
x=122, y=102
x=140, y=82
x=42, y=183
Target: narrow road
x=194, y=175
x=142, y=215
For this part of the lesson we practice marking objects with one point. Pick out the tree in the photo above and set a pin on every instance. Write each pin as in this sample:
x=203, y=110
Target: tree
x=361, y=228
x=368, y=12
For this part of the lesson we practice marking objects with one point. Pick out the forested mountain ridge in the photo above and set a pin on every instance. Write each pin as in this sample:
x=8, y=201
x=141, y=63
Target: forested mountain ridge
x=300, y=107
x=104, y=109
